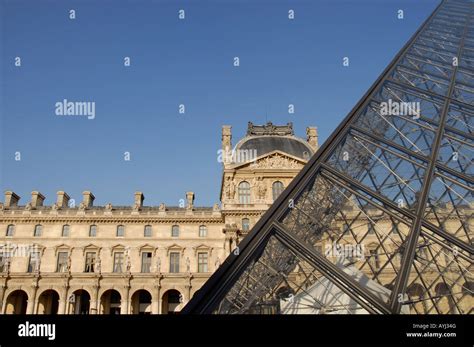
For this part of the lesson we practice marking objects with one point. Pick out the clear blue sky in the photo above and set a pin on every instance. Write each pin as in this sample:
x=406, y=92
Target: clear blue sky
x=176, y=62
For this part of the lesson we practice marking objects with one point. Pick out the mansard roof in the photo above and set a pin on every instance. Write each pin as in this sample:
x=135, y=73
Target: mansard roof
x=268, y=138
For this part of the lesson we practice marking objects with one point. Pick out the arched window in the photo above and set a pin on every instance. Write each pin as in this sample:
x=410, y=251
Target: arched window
x=468, y=288
x=147, y=231
x=120, y=230
x=65, y=232
x=415, y=290
x=245, y=224
x=93, y=231
x=202, y=231
x=244, y=192
x=175, y=231
x=277, y=189
x=442, y=289
x=10, y=230
x=38, y=230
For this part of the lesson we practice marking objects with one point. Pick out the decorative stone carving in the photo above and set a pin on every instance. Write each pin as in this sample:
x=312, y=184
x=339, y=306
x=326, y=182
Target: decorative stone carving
x=226, y=137
x=82, y=206
x=269, y=129
x=28, y=206
x=229, y=189
x=69, y=262
x=277, y=161
x=6, y=267
x=98, y=264
x=54, y=207
x=158, y=264
x=261, y=189
x=162, y=207
x=216, y=208
x=108, y=207
x=127, y=259
x=188, y=265
x=189, y=200
x=38, y=265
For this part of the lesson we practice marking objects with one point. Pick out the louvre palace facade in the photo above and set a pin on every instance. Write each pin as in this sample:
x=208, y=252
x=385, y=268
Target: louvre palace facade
x=79, y=258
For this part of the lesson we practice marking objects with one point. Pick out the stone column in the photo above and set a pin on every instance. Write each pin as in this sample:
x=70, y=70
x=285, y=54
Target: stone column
x=156, y=301
x=94, y=304
x=188, y=293
x=124, y=302
x=33, y=301
x=312, y=138
x=63, y=299
x=2, y=294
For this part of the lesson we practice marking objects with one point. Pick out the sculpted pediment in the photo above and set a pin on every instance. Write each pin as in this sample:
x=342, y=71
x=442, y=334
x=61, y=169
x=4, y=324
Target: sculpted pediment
x=274, y=160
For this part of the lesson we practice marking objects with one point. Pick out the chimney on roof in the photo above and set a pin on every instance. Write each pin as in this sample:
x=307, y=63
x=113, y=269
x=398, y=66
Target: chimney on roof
x=62, y=200
x=190, y=200
x=88, y=199
x=139, y=197
x=37, y=199
x=312, y=137
x=226, y=138
x=11, y=199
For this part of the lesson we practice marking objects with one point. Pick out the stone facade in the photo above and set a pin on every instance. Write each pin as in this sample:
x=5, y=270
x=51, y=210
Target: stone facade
x=70, y=259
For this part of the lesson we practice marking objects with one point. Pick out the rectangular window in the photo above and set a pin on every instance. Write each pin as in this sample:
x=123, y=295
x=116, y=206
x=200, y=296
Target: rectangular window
x=10, y=230
x=62, y=262
x=202, y=262
x=146, y=261
x=175, y=231
x=34, y=262
x=90, y=262
x=202, y=231
x=93, y=231
x=38, y=230
x=147, y=232
x=118, y=262
x=120, y=230
x=174, y=262
x=65, y=232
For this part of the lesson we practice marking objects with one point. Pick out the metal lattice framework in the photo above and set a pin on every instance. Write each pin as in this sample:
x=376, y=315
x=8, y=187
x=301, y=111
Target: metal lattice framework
x=380, y=220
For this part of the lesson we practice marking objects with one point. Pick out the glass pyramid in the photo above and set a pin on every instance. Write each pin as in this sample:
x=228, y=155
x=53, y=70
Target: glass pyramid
x=381, y=219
